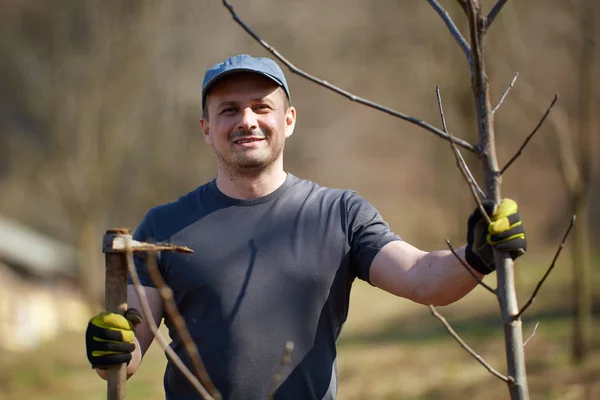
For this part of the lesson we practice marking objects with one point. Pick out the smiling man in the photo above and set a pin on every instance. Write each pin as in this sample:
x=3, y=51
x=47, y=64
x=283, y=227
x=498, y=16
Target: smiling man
x=275, y=256
x=247, y=116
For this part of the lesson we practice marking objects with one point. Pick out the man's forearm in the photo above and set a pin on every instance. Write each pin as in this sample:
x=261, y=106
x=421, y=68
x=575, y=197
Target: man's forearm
x=446, y=279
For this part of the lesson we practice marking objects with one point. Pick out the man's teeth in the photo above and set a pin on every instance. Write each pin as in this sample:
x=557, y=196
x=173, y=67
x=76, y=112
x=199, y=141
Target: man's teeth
x=246, y=141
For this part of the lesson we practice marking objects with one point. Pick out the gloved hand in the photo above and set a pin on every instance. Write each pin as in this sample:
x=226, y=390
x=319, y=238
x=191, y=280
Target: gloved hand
x=109, y=337
x=504, y=233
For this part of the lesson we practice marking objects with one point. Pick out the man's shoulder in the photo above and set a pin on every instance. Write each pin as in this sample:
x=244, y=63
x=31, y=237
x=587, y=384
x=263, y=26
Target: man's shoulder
x=347, y=199
x=184, y=203
x=165, y=219
x=317, y=189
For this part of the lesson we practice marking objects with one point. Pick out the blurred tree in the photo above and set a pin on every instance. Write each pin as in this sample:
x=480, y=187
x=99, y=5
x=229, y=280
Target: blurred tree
x=90, y=111
x=93, y=114
x=573, y=145
x=576, y=160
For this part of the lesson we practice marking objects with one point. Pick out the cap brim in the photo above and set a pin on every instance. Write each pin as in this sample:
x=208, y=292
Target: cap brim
x=224, y=74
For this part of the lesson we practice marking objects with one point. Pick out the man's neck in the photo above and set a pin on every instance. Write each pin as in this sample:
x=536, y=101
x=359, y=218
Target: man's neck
x=250, y=187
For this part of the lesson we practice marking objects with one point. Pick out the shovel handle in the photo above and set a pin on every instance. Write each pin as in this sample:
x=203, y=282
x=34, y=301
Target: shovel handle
x=116, y=302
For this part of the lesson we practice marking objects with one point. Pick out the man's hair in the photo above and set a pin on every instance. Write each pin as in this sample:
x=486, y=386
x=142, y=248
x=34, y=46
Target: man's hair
x=288, y=103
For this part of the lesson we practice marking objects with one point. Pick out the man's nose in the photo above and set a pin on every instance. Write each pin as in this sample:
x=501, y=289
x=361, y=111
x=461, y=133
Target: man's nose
x=248, y=120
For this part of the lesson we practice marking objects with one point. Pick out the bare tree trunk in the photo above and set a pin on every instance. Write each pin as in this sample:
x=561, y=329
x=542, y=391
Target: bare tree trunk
x=90, y=266
x=579, y=193
x=507, y=297
x=582, y=291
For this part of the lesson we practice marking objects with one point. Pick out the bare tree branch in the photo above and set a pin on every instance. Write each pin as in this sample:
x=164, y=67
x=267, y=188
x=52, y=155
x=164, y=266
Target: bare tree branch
x=286, y=358
x=563, y=132
x=139, y=289
x=462, y=165
x=467, y=348
x=494, y=13
x=452, y=28
x=541, y=282
x=532, y=334
x=350, y=96
x=171, y=308
x=528, y=138
x=512, y=83
x=466, y=170
x=460, y=160
x=481, y=282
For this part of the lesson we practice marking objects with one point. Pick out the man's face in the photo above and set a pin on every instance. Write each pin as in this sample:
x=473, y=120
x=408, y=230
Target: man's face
x=247, y=121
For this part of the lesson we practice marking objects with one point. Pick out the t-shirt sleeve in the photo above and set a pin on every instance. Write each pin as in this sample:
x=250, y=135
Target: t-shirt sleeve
x=367, y=233
x=144, y=233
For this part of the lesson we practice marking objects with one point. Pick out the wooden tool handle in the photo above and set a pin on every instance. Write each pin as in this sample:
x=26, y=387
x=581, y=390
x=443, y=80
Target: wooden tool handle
x=116, y=302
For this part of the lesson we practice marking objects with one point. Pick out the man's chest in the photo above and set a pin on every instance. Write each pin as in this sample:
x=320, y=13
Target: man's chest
x=267, y=257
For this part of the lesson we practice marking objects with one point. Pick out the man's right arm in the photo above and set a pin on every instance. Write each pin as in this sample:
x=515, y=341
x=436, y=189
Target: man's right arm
x=143, y=334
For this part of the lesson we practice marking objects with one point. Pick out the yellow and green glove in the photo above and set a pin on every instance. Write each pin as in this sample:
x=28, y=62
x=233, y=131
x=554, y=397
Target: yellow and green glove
x=504, y=233
x=109, y=337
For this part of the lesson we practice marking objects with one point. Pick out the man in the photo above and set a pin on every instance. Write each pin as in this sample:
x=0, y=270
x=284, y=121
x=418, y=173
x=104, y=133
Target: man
x=275, y=256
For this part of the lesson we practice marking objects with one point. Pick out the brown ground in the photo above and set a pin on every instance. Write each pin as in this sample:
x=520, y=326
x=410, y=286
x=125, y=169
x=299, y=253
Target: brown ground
x=390, y=349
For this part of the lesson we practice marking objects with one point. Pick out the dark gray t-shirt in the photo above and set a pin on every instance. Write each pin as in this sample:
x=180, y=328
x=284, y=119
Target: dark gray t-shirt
x=264, y=271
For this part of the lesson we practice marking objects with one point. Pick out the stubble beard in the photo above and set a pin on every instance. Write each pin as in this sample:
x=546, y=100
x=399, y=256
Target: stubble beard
x=251, y=166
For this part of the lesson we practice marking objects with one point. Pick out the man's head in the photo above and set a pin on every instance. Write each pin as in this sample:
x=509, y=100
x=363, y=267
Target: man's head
x=246, y=113
x=244, y=63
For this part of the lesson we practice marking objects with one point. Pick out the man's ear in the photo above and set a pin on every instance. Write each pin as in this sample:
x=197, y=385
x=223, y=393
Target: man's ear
x=290, y=121
x=205, y=130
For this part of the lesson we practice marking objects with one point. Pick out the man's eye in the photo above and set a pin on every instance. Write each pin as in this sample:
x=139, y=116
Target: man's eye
x=228, y=110
x=263, y=107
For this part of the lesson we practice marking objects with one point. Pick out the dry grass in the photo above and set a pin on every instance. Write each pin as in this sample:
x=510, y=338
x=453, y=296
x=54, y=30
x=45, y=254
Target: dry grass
x=390, y=349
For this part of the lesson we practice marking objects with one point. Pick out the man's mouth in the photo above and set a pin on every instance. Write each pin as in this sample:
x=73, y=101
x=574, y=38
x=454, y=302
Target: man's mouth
x=248, y=140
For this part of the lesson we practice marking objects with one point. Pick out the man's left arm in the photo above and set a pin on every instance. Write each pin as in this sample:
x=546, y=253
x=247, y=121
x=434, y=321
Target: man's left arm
x=424, y=277
x=437, y=277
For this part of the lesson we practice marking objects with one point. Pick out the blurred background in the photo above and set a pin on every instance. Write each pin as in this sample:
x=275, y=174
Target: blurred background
x=99, y=111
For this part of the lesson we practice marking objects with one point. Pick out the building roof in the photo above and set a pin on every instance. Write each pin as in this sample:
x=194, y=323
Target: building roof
x=34, y=252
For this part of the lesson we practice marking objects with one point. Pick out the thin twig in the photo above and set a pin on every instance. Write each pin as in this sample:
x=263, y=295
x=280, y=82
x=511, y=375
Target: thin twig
x=467, y=171
x=179, y=323
x=541, y=282
x=467, y=348
x=462, y=165
x=286, y=358
x=350, y=96
x=452, y=28
x=162, y=341
x=460, y=160
x=512, y=84
x=532, y=334
x=494, y=13
x=528, y=138
x=480, y=281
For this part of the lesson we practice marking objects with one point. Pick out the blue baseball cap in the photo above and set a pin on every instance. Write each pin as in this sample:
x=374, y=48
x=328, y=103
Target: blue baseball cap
x=244, y=63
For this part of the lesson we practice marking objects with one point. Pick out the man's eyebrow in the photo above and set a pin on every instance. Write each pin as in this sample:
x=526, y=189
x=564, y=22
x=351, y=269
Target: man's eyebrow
x=226, y=103
x=263, y=100
x=229, y=103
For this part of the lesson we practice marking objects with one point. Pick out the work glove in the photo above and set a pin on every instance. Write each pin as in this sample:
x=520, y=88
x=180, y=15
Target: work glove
x=109, y=337
x=504, y=233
